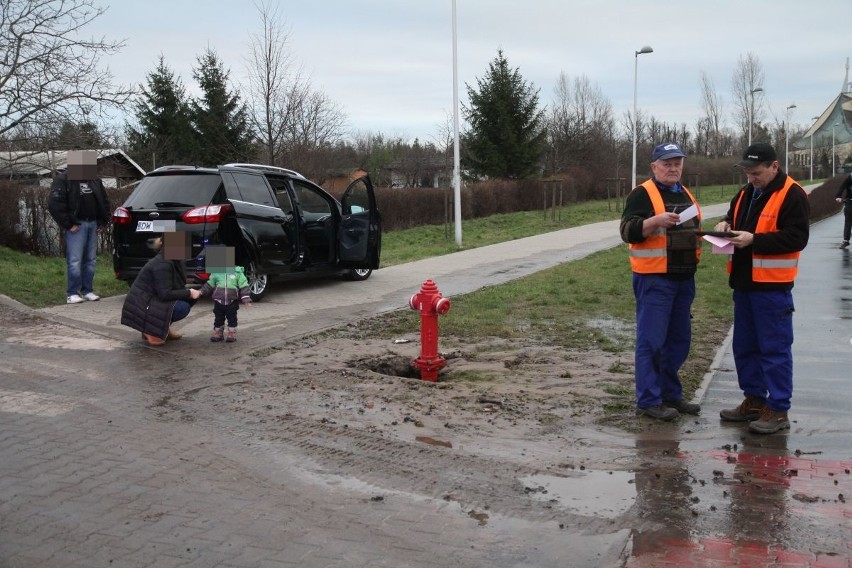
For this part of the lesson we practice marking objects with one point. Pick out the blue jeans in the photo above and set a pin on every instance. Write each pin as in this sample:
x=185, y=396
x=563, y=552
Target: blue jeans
x=663, y=336
x=81, y=250
x=763, y=345
x=181, y=309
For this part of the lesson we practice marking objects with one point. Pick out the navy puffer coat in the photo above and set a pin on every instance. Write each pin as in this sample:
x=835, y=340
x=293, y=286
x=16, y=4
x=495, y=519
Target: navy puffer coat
x=151, y=300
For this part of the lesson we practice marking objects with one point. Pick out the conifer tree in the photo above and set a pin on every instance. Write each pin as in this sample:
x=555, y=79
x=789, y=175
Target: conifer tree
x=506, y=128
x=219, y=118
x=163, y=134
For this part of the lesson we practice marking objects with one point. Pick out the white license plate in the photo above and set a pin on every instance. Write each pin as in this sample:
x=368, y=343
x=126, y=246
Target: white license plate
x=145, y=226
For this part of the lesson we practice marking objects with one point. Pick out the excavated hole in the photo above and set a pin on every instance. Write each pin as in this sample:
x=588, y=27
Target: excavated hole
x=392, y=365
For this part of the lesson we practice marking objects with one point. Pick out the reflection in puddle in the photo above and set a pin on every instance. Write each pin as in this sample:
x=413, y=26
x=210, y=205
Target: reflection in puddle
x=605, y=494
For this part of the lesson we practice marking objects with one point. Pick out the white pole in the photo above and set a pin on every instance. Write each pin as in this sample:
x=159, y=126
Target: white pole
x=635, y=88
x=787, y=140
x=833, y=169
x=456, y=158
x=636, y=54
x=812, y=157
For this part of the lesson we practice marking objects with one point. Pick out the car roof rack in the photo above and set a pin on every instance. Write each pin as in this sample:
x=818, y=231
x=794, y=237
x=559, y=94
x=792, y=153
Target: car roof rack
x=273, y=169
x=177, y=167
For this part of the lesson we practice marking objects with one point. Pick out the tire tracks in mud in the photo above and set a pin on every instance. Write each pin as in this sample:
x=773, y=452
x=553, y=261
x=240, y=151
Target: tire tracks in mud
x=325, y=451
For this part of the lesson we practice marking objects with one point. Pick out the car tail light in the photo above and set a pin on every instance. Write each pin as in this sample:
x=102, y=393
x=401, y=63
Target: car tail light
x=206, y=214
x=121, y=216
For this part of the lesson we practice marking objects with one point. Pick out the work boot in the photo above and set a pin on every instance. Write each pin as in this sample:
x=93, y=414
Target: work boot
x=770, y=421
x=174, y=334
x=153, y=340
x=683, y=407
x=658, y=412
x=748, y=410
x=218, y=334
x=232, y=335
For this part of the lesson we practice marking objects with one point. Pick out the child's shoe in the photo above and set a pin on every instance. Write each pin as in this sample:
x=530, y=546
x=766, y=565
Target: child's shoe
x=232, y=335
x=218, y=334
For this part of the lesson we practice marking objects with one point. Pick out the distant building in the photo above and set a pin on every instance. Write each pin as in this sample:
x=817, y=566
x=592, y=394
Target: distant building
x=830, y=134
x=115, y=168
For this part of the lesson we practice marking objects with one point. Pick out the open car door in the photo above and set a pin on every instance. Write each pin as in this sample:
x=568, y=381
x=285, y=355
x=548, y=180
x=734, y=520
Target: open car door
x=360, y=234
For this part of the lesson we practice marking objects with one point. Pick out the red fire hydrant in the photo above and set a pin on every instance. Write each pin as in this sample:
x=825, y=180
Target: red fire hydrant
x=430, y=304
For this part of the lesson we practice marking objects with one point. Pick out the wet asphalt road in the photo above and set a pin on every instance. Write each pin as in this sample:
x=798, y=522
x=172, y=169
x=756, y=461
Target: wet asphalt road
x=778, y=500
x=88, y=479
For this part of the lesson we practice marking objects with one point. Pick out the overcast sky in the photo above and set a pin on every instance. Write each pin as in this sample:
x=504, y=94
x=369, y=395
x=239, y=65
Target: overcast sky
x=388, y=63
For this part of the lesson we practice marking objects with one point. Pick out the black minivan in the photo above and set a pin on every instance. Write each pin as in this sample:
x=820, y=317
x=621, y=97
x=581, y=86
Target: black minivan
x=278, y=222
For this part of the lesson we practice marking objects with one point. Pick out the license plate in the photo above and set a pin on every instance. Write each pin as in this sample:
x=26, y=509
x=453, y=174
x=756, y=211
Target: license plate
x=145, y=226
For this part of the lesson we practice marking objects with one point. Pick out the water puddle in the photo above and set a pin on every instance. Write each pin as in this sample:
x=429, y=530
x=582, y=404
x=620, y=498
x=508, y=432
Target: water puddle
x=605, y=494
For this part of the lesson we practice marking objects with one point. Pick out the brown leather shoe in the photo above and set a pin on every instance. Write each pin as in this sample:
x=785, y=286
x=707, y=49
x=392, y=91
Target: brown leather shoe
x=174, y=334
x=748, y=410
x=770, y=421
x=153, y=340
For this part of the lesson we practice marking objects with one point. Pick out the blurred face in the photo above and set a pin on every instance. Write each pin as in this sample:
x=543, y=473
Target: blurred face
x=668, y=171
x=761, y=175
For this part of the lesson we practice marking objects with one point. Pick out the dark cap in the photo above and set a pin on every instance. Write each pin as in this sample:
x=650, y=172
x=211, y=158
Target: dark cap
x=757, y=154
x=667, y=150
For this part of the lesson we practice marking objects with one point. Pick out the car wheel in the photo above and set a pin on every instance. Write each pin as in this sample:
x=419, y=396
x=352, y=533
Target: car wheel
x=358, y=273
x=258, y=284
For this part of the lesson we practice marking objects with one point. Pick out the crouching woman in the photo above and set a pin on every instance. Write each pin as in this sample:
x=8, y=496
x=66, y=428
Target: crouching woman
x=159, y=296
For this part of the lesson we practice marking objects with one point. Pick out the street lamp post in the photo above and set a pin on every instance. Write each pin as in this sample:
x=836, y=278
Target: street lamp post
x=833, y=169
x=812, y=150
x=751, y=111
x=787, y=140
x=636, y=54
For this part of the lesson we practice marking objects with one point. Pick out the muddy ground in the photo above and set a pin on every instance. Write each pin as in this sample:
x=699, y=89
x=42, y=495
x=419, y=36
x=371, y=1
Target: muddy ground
x=539, y=405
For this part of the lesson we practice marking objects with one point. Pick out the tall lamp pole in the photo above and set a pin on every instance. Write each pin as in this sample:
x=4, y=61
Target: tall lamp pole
x=833, y=169
x=787, y=140
x=751, y=111
x=812, y=150
x=457, y=216
x=636, y=54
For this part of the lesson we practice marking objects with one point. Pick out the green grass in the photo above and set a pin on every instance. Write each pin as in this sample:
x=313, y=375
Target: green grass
x=40, y=281
x=399, y=247
x=585, y=304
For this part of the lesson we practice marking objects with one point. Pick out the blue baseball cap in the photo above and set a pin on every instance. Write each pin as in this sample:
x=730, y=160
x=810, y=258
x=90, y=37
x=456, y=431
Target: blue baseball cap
x=667, y=150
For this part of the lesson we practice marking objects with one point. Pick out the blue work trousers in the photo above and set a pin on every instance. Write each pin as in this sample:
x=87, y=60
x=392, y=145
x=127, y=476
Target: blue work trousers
x=81, y=249
x=763, y=345
x=663, y=335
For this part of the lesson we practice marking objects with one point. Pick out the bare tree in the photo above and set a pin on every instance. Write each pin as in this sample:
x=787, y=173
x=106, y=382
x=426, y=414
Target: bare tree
x=275, y=88
x=296, y=125
x=580, y=123
x=711, y=104
x=748, y=76
x=49, y=74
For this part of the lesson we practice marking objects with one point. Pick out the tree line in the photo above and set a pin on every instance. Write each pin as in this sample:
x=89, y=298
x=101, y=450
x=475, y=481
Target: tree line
x=55, y=94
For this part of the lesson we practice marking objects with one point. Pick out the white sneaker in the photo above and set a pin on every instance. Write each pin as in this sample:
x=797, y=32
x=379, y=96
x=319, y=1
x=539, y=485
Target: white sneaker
x=92, y=297
x=74, y=299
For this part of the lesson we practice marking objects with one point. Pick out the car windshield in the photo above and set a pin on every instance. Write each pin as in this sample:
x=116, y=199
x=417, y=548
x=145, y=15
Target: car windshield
x=174, y=190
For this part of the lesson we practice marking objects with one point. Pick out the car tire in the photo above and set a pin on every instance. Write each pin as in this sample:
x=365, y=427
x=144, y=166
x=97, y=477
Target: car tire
x=258, y=283
x=358, y=274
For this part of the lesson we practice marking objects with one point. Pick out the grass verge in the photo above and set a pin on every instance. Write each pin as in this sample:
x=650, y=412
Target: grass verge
x=39, y=282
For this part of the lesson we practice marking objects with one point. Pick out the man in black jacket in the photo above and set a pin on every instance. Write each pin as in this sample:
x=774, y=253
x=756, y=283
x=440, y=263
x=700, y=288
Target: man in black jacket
x=769, y=217
x=844, y=195
x=79, y=205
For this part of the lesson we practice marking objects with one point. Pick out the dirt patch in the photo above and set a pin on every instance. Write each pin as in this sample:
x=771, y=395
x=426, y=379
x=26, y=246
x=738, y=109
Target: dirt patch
x=494, y=397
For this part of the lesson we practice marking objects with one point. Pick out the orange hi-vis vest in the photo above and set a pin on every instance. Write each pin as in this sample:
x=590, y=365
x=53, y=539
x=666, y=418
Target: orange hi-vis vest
x=770, y=268
x=650, y=256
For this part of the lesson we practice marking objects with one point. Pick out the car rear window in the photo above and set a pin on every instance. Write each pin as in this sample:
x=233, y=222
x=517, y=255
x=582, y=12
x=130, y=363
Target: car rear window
x=174, y=190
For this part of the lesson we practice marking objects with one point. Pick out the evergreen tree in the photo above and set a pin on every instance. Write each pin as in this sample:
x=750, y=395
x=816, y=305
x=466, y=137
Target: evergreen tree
x=506, y=135
x=164, y=134
x=219, y=119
